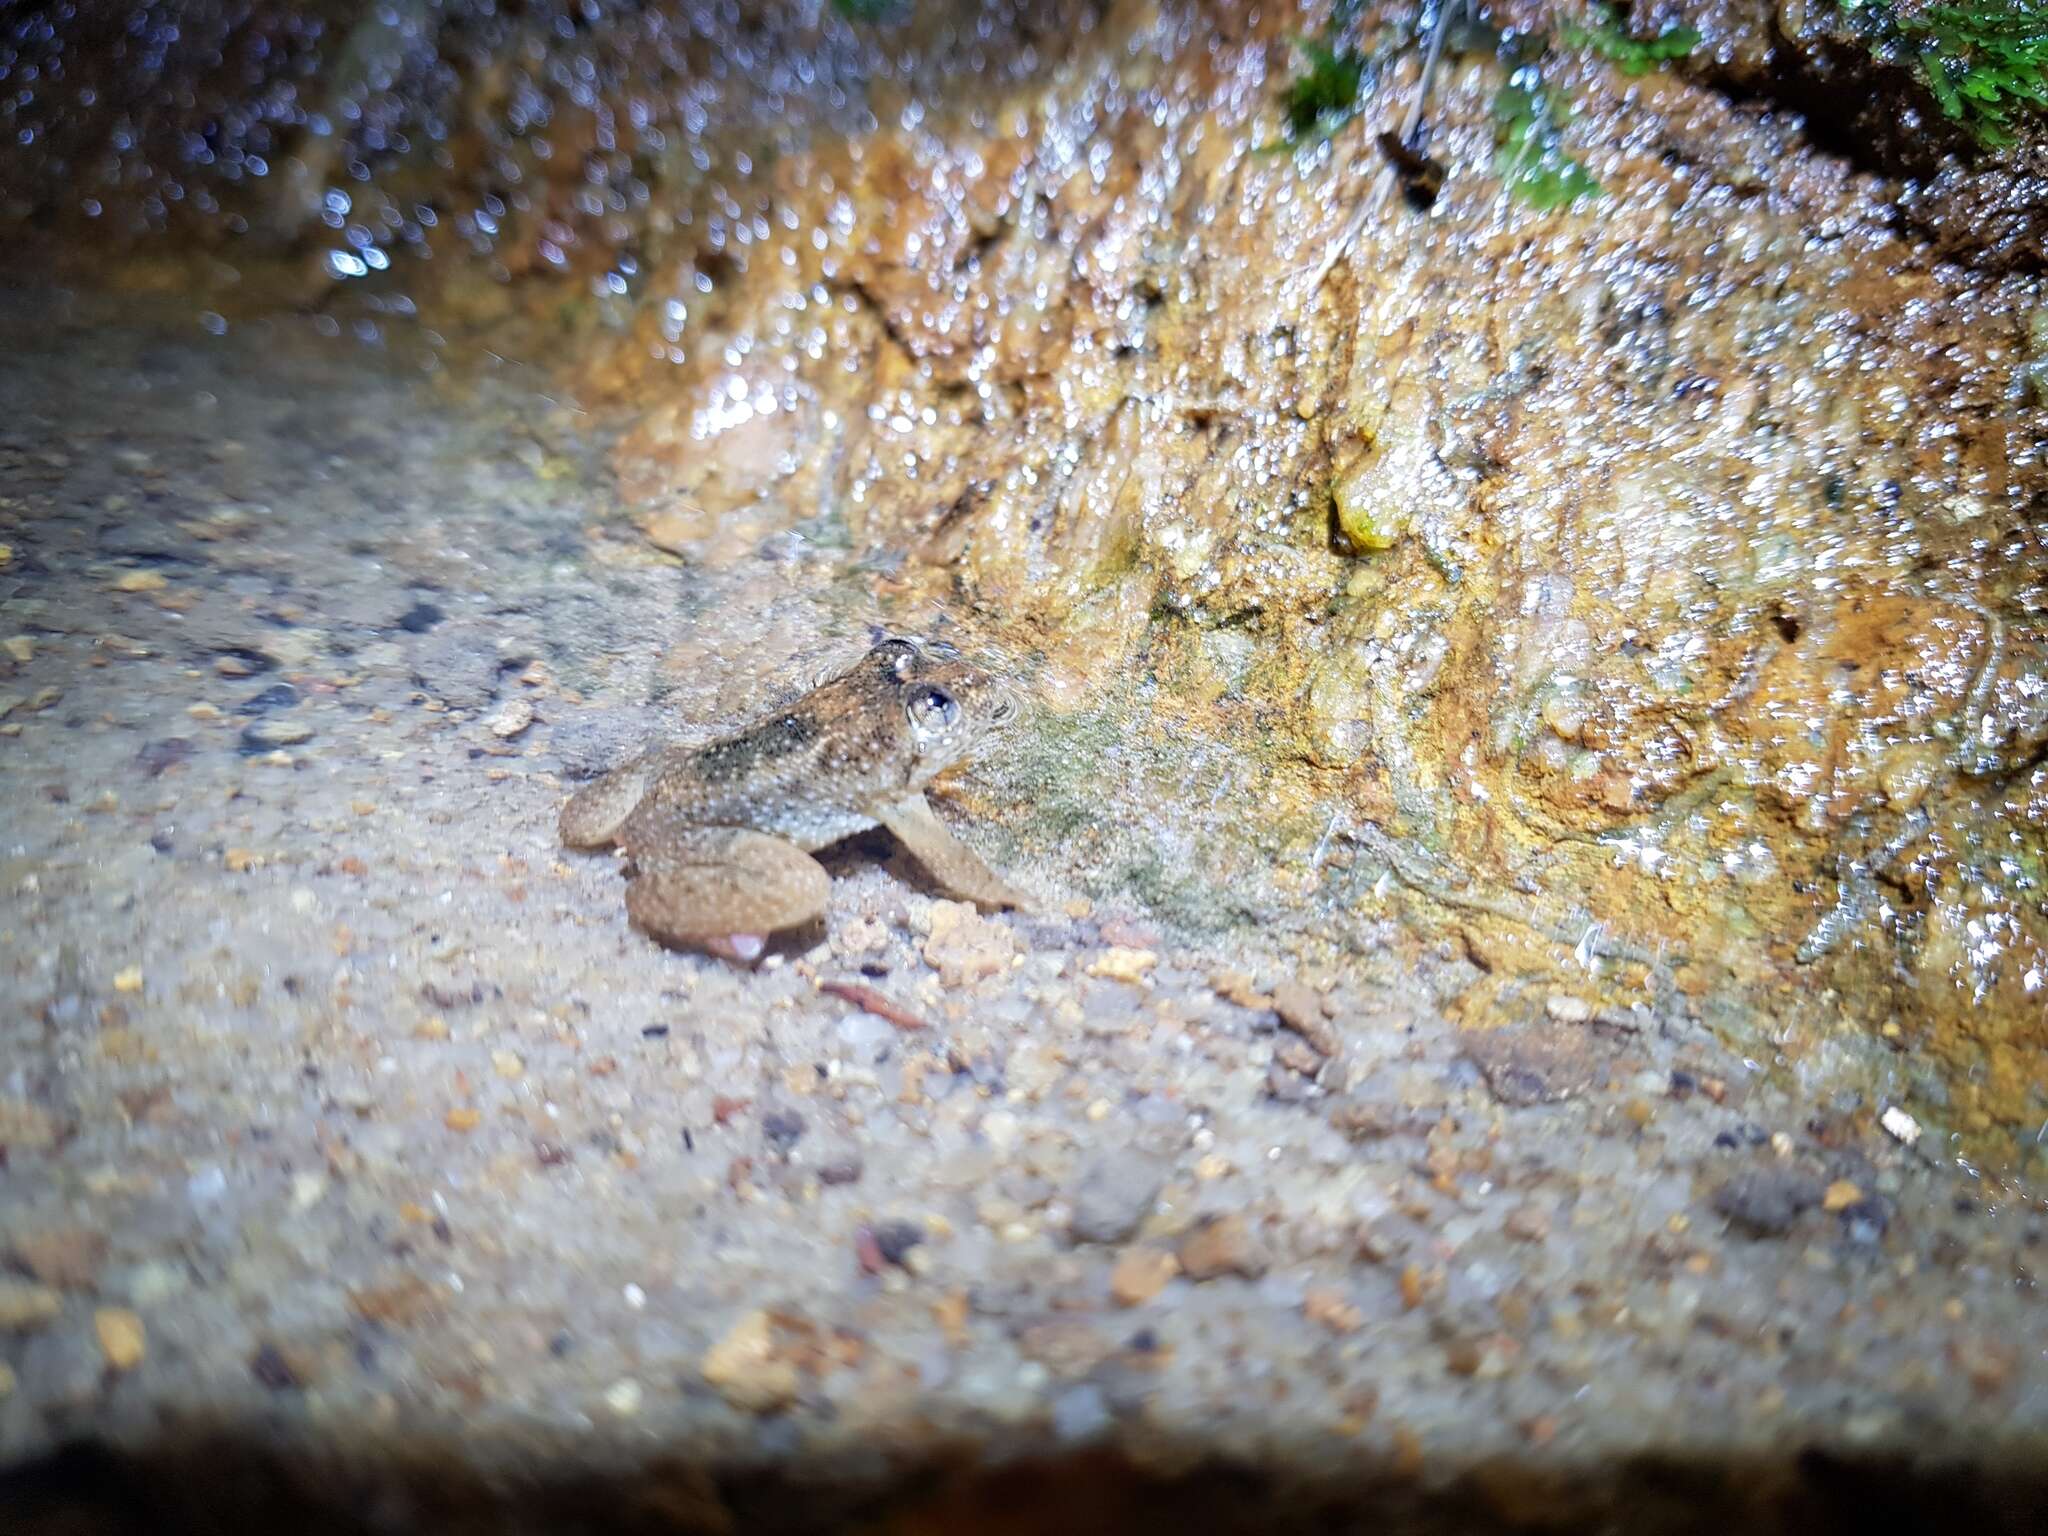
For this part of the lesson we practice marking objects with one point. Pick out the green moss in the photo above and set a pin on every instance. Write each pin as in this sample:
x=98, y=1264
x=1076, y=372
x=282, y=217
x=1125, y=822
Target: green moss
x=1604, y=33
x=1531, y=157
x=1325, y=97
x=1987, y=64
x=1984, y=61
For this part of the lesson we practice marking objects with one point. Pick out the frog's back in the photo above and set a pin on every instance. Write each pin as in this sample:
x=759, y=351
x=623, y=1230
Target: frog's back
x=790, y=776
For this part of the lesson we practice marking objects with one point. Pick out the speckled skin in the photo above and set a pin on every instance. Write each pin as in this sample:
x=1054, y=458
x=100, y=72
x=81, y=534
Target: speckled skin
x=721, y=836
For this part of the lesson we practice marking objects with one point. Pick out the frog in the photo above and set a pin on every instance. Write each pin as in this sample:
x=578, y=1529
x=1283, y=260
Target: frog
x=720, y=838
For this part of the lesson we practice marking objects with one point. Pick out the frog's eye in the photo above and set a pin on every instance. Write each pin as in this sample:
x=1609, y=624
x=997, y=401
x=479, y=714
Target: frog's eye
x=894, y=657
x=932, y=709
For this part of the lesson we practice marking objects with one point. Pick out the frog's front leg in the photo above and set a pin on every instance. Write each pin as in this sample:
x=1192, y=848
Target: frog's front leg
x=595, y=813
x=954, y=867
x=723, y=889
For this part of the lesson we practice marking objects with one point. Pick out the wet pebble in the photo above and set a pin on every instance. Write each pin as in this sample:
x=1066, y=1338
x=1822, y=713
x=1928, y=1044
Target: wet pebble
x=1218, y=1246
x=276, y=696
x=25, y=1307
x=1767, y=1203
x=1113, y=1196
x=270, y=735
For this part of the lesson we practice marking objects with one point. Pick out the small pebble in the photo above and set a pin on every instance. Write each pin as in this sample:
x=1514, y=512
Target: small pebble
x=141, y=581
x=25, y=1307
x=121, y=1335
x=623, y=1397
x=129, y=979
x=1119, y=963
x=514, y=717
x=1140, y=1274
x=1218, y=1246
x=269, y=735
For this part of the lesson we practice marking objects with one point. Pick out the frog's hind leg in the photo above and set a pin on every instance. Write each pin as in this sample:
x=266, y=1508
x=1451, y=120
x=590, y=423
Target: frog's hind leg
x=724, y=889
x=594, y=814
x=953, y=866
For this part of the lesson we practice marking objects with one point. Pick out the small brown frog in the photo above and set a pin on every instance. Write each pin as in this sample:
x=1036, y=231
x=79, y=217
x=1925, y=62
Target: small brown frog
x=721, y=836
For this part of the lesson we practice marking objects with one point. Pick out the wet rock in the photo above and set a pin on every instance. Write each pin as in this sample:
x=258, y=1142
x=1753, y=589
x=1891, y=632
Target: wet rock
x=1767, y=1202
x=1221, y=1245
x=1113, y=1196
x=420, y=618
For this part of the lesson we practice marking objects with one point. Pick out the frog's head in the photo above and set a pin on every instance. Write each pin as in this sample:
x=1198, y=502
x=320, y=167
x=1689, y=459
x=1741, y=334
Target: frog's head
x=949, y=704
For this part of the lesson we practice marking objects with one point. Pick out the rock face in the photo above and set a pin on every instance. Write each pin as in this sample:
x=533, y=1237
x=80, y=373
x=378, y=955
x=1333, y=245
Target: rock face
x=1688, y=620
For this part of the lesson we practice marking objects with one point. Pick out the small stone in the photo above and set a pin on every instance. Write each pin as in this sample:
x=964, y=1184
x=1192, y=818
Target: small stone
x=1568, y=1010
x=121, y=1336
x=66, y=1257
x=1527, y=1224
x=1840, y=1195
x=964, y=947
x=7, y=1378
x=1236, y=987
x=239, y=861
x=464, y=1120
x=272, y=1370
x=141, y=581
x=420, y=618
x=623, y=1397
x=678, y=527
x=507, y=1064
x=228, y=664
x=1301, y=1009
x=25, y=1307
x=128, y=979
x=1901, y=1126
x=747, y=1370
x=1332, y=1311
x=270, y=735
x=1113, y=1197
x=1140, y=1274
x=291, y=649
x=841, y=1170
x=1121, y=963
x=22, y=648
x=784, y=1128
x=1221, y=1245
x=1768, y=1203
x=25, y=1125
x=512, y=718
